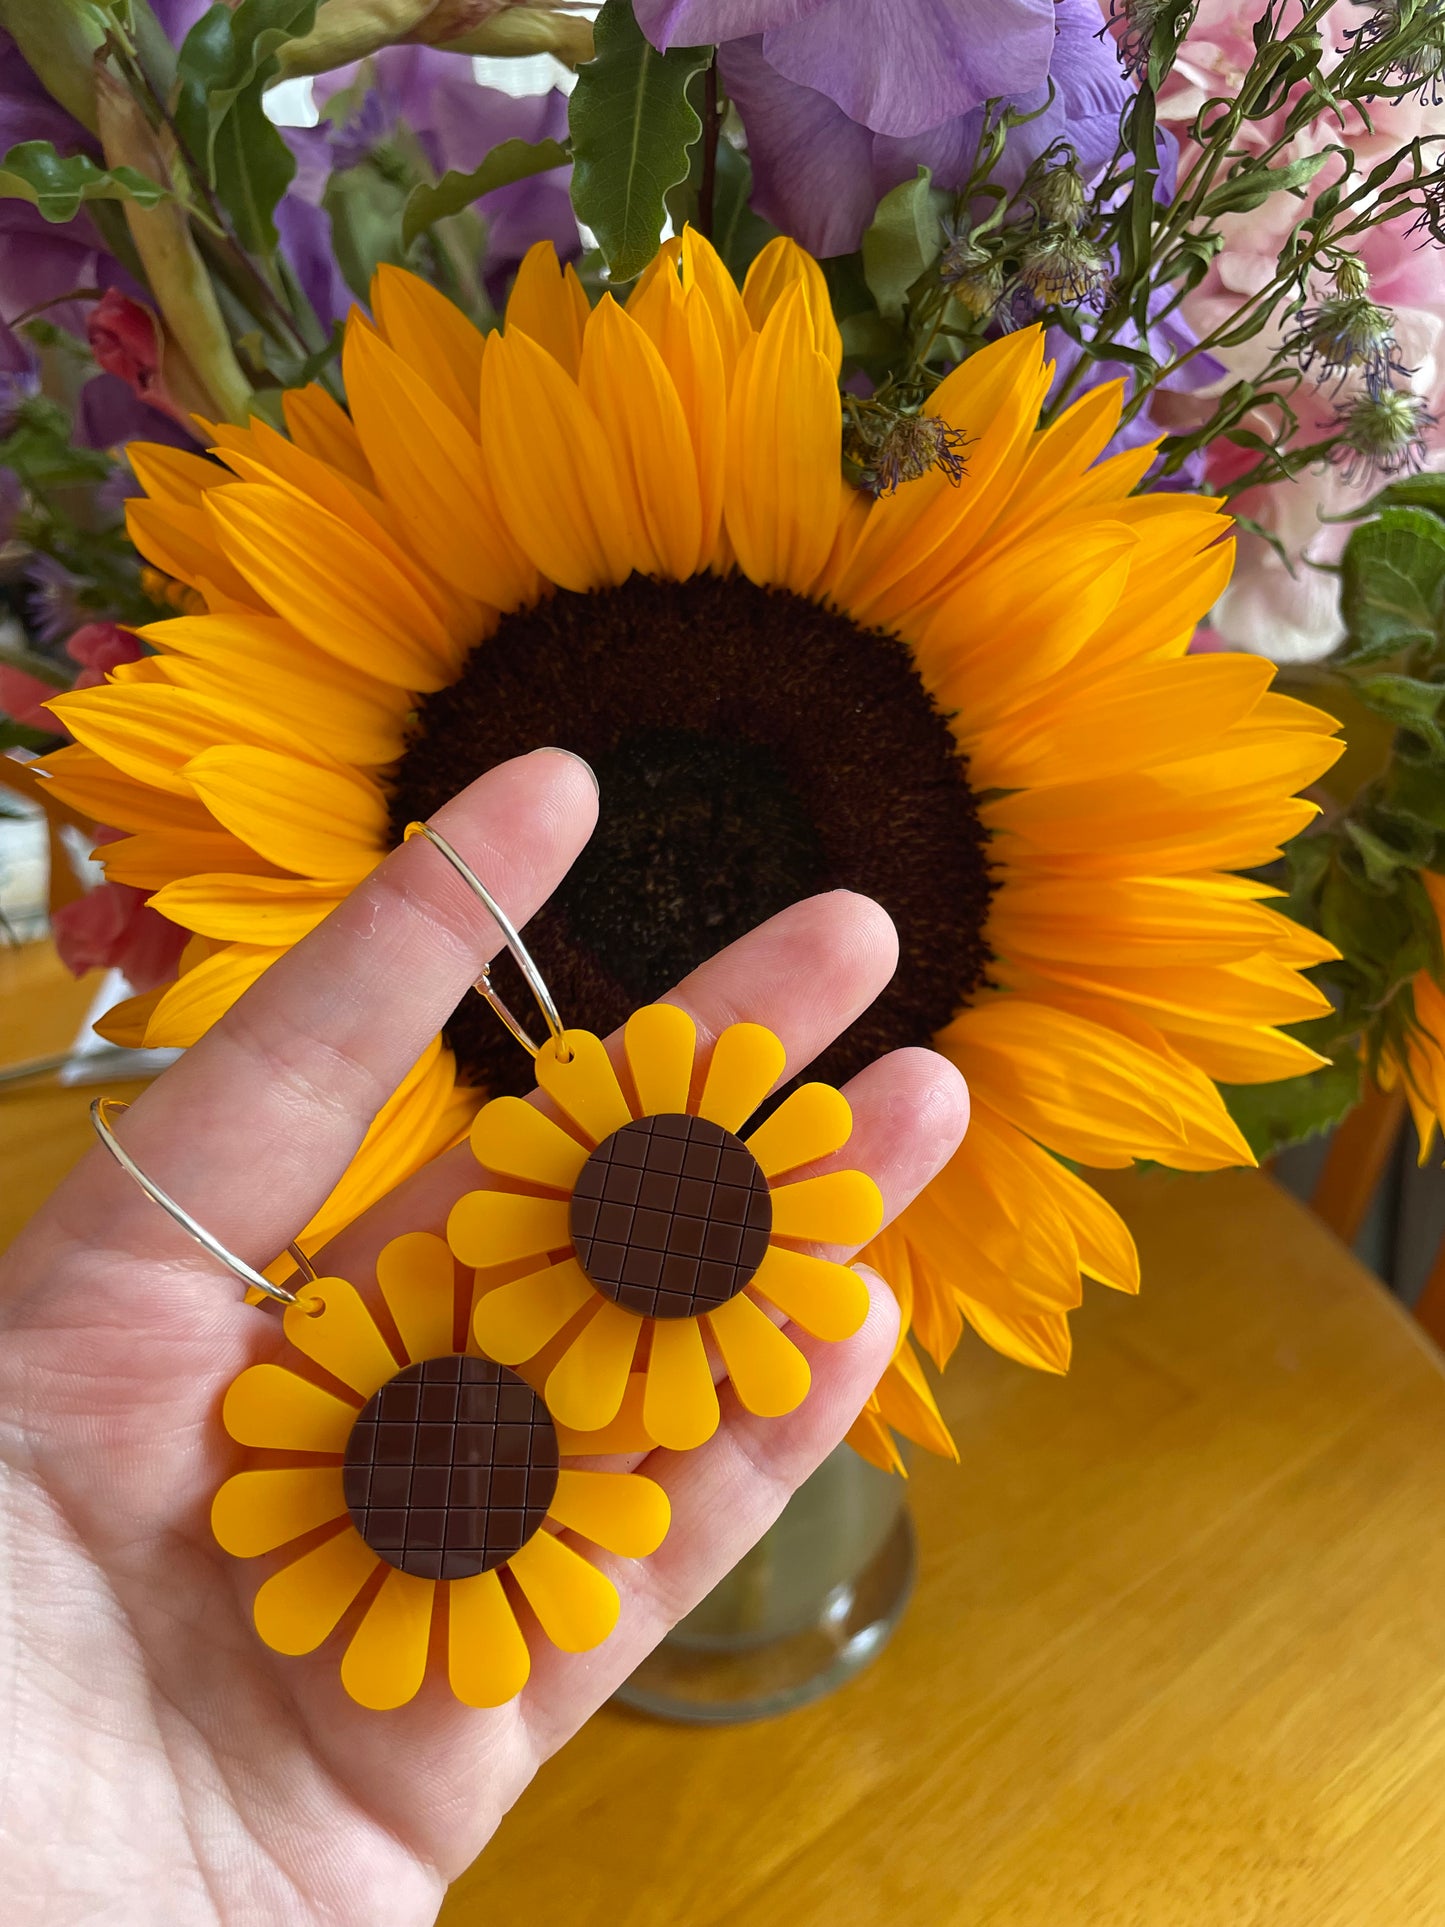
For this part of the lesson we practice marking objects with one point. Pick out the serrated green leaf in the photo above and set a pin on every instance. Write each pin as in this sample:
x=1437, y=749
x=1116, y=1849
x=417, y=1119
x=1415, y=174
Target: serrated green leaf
x=632, y=126
x=56, y=184
x=1392, y=579
x=1273, y=1116
x=512, y=160
x=904, y=239
x=222, y=70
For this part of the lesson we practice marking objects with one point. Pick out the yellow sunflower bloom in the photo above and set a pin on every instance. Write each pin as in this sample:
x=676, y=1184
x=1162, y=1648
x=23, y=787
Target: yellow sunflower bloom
x=417, y=1480
x=1416, y=1062
x=656, y=1229
x=625, y=530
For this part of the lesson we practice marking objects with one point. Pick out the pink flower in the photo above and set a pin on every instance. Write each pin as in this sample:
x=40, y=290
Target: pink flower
x=99, y=647
x=20, y=699
x=113, y=928
x=126, y=340
x=1290, y=611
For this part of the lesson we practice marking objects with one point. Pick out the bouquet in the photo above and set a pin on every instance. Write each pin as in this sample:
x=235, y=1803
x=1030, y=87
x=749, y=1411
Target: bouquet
x=835, y=421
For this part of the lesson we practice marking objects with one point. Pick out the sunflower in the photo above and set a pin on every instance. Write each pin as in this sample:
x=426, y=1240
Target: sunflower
x=1413, y=1055
x=626, y=529
x=424, y=1480
x=656, y=1224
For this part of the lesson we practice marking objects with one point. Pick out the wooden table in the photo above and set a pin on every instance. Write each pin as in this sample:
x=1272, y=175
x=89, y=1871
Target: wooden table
x=1176, y=1657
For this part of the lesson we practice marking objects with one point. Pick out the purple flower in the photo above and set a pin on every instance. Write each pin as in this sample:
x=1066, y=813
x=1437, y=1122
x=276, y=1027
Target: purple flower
x=819, y=172
x=894, y=66
x=458, y=122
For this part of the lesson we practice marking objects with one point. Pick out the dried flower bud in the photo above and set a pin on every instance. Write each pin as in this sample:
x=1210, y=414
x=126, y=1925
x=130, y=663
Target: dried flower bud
x=1352, y=277
x=891, y=448
x=1382, y=434
x=974, y=277
x=1060, y=197
x=1061, y=269
x=1139, y=20
x=1349, y=335
x=1409, y=35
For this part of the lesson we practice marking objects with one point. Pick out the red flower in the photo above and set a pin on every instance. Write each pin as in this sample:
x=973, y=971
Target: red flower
x=112, y=928
x=98, y=647
x=125, y=339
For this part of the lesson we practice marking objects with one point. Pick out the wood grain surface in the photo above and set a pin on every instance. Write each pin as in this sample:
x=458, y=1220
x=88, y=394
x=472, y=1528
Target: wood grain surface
x=1176, y=1657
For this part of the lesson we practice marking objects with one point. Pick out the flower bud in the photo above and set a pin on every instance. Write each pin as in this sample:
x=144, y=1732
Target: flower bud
x=1382, y=434
x=1060, y=197
x=1062, y=270
x=891, y=448
x=1348, y=335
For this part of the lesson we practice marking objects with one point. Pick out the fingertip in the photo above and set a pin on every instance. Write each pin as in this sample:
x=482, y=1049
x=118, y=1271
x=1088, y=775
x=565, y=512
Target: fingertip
x=880, y=1327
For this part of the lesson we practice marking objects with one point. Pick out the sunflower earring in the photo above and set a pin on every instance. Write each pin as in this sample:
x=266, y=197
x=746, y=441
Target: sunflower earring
x=652, y=1239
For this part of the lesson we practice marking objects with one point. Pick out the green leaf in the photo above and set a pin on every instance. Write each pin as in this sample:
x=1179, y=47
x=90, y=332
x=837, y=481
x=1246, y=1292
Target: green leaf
x=1405, y=847
x=21, y=736
x=1252, y=187
x=222, y=70
x=1411, y=491
x=738, y=234
x=57, y=184
x=513, y=160
x=1404, y=699
x=1416, y=791
x=365, y=210
x=632, y=125
x=904, y=240
x=1273, y=1116
x=1392, y=577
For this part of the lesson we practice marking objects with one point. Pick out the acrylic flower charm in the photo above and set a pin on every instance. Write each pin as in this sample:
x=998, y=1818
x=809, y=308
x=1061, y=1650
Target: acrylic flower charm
x=407, y=1482
x=660, y=1238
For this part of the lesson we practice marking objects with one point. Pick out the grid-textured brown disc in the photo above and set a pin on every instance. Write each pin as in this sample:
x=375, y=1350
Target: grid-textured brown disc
x=671, y=1216
x=451, y=1467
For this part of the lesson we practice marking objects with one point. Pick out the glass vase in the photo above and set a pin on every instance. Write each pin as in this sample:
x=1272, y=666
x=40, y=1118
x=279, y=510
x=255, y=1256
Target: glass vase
x=814, y=1601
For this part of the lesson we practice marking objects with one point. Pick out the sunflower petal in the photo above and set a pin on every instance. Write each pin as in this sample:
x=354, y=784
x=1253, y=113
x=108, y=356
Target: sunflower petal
x=187, y=1008
x=276, y=911
x=385, y=1663
x=839, y=1208
x=828, y=1300
x=660, y=1042
x=576, y=1605
x=747, y=1061
x=781, y=266
x=254, y=1512
x=513, y=1139
x=622, y=1512
x=514, y=1322
x=302, y=1605
x=549, y=303
x=322, y=428
x=269, y=1406
x=679, y=1407
x=418, y=1279
x=341, y=1335
x=584, y=1085
x=487, y=1658
x=496, y=1227
x=586, y=1385
x=812, y=1123
x=432, y=335
x=768, y=1372
x=325, y=823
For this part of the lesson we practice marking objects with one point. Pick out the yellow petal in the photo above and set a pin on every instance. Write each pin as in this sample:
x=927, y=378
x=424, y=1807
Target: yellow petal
x=187, y=1008
x=271, y=1407
x=152, y=732
x=679, y=1406
x=487, y=1658
x=322, y=428
x=585, y=1086
x=781, y=266
x=704, y=275
x=514, y=1139
x=1038, y=1339
x=575, y=1605
x=660, y=1042
x=682, y=328
x=300, y=1606
x=904, y=1400
x=341, y=1335
x=386, y=1661
x=768, y=1372
x=564, y=501
x=276, y=911
x=496, y=1227
x=828, y=1300
x=365, y=604
x=812, y=1122
x=624, y=1434
x=784, y=483
x=586, y=1385
x=840, y=1208
x=431, y=471
x=418, y=1279
x=317, y=821
x=152, y=858
x=622, y=1512
x=630, y=391
x=516, y=1320
x=255, y=1512
x=747, y=1061
x=548, y=303
x=432, y=335
x=94, y=786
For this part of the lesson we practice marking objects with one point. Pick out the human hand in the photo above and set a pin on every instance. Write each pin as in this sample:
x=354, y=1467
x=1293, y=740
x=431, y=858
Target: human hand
x=163, y=1766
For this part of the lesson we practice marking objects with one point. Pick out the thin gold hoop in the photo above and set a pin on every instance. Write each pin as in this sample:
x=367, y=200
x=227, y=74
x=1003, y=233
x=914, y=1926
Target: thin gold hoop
x=101, y=1112
x=536, y=983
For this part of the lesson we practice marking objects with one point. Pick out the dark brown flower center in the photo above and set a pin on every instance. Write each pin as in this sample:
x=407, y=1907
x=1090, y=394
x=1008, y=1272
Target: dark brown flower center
x=752, y=747
x=671, y=1216
x=451, y=1467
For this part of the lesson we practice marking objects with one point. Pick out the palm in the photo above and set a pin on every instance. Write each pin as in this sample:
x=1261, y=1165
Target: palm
x=195, y=1763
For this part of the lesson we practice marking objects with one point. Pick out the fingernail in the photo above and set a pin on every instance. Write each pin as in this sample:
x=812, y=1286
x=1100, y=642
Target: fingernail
x=556, y=749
